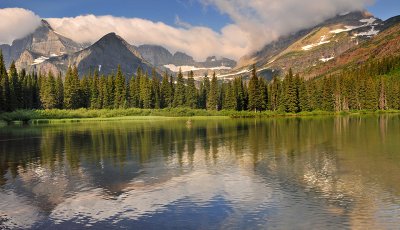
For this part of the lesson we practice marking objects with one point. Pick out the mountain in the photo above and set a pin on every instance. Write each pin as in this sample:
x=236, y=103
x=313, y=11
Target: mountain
x=104, y=55
x=385, y=44
x=44, y=41
x=314, y=46
x=162, y=58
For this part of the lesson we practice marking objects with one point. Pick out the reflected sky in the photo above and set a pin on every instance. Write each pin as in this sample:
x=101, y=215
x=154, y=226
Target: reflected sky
x=296, y=173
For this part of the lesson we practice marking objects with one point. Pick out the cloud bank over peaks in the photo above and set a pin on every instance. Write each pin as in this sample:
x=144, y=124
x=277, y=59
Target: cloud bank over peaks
x=198, y=41
x=16, y=23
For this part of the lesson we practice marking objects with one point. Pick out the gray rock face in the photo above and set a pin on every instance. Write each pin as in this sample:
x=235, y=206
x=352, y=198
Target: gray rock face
x=105, y=55
x=156, y=55
x=44, y=41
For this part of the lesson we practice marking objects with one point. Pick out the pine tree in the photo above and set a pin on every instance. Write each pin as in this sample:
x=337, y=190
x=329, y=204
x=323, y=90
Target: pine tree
x=212, y=99
x=240, y=94
x=84, y=92
x=59, y=92
x=291, y=101
x=274, y=93
x=48, y=94
x=3, y=75
x=166, y=92
x=254, y=91
x=15, y=88
x=191, y=92
x=155, y=91
x=109, y=95
x=179, y=94
x=95, y=91
x=71, y=89
x=203, y=92
x=120, y=90
x=229, y=97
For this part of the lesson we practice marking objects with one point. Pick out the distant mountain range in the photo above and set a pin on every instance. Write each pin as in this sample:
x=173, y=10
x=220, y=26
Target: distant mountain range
x=322, y=49
x=46, y=50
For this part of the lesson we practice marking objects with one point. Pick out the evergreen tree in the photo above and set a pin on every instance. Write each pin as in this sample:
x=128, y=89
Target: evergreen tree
x=212, y=99
x=59, y=92
x=191, y=92
x=15, y=88
x=48, y=94
x=203, y=92
x=254, y=91
x=291, y=99
x=179, y=94
x=229, y=97
x=155, y=91
x=3, y=86
x=166, y=92
x=84, y=92
x=95, y=91
x=71, y=89
x=145, y=92
x=120, y=90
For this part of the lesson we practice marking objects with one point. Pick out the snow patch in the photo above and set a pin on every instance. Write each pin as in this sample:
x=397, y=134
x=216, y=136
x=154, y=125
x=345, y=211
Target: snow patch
x=186, y=68
x=311, y=46
x=369, y=21
x=327, y=59
x=371, y=32
x=39, y=60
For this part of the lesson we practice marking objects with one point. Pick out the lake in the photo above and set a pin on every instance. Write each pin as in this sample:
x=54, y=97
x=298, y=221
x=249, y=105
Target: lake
x=286, y=173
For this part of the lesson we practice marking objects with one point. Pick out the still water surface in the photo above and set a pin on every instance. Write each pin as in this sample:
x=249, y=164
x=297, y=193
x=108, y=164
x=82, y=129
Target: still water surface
x=296, y=173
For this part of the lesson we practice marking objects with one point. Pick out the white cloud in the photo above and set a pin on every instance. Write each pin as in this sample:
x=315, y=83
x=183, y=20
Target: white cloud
x=16, y=23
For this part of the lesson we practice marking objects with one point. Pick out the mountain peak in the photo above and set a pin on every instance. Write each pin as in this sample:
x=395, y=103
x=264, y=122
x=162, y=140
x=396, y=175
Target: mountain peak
x=46, y=24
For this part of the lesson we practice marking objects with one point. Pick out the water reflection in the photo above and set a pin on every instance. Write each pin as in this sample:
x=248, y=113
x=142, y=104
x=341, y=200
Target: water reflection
x=331, y=172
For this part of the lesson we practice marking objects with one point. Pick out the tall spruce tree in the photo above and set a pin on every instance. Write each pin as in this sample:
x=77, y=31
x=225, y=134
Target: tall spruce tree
x=191, y=92
x=120, y=90
x=59, y=92
x=48, y=94
x=179, y=94
x=254, y=91
x=212, y=99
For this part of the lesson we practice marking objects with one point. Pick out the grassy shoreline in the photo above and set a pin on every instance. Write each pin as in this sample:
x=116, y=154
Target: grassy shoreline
x=55, y=115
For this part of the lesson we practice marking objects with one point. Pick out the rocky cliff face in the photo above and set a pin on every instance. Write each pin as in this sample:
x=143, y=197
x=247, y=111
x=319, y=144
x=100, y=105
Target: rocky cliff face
x=105, y=55
x=44, y=41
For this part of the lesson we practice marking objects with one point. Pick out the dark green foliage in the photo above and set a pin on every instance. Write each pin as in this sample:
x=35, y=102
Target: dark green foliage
x=120, y=90
x=59, y=92
x=166, y=92
x=191, y=92
x=48, y=93
x=212, y=100
x=180, y=92
x=71, y=89
x=254, y=92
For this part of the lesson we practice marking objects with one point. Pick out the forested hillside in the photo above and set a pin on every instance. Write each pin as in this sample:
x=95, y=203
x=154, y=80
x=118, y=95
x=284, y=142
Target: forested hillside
x=372, y=86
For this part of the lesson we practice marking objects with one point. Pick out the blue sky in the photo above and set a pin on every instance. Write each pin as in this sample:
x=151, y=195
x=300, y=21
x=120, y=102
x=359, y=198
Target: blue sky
x=190, y=11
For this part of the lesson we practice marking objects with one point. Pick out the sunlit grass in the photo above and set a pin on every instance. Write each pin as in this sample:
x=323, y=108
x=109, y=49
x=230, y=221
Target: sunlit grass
x=70, y=116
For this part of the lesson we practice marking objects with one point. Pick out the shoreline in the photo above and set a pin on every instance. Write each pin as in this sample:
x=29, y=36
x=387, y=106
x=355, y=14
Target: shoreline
x=88, y=115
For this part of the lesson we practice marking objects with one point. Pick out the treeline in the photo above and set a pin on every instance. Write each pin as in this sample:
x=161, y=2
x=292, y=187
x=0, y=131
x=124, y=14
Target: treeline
x=363, y=88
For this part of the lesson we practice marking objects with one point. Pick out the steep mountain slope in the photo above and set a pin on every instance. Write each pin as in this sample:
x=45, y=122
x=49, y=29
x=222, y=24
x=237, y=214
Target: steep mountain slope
x=314, y=46
x=104, y=55
x=44, y=41
x=385, y=44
